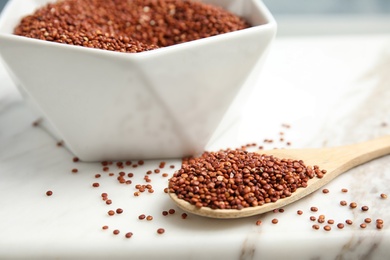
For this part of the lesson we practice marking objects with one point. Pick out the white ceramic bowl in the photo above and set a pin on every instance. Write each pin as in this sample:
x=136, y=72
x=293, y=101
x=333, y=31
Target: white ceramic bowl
x=162, y=103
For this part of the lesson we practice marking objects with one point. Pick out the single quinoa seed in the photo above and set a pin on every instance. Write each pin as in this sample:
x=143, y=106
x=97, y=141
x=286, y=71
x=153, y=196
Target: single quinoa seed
x=76, y=159
x=275, y=221
x=128, y=234
x=349, y=222
x=119, y=211
x=367, y=220
x=142, y=216
x=340, y=225
x=344, y=190
x=315, y=226
x=116, y=232
x=330, y=221
x=171, y=211
x=365, y=208
x=299, y=212
x=165, y=213
x=160, y=231
x=95, y=184
x=184, y=215
x=49, y=193
x=363, y=225
x=343, y=203
x=314, y=209
x=111, y=213
x=325, y=191
x=383, y=196
x=104, y=227
x=327, y=228
x=258, y=222
x=74, y=170
x=149, y=218
x=353, y=205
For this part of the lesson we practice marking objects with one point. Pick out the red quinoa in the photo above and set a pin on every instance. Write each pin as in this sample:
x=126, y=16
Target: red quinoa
x=127, y=26
x=235, y=179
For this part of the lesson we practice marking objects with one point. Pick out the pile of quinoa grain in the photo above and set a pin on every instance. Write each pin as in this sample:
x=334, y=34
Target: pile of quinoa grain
x=127, y=26
x=236, y=179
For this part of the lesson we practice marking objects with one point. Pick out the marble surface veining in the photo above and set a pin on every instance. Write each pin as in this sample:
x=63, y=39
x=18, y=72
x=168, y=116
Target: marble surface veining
x=331, y=91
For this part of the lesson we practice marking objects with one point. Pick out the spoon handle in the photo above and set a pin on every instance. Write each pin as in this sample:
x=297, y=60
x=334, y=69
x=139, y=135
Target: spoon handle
x=356, y=154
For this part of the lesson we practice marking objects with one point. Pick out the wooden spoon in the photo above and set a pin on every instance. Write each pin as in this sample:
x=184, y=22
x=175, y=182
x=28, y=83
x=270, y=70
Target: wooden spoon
x=335, y=161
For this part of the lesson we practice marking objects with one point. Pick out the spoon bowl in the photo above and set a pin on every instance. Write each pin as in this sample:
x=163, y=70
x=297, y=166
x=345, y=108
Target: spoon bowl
x=335, y=160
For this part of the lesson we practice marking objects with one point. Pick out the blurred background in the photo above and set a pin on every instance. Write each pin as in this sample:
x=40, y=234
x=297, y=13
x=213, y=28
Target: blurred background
x=305, y=17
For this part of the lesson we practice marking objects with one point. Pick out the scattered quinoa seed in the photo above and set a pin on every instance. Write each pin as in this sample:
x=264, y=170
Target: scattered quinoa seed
x=258, y=223
x=299, y=212
x=344, y=190
x=49, y=193
x=353, y=205
x=315, y=226
x=314, y=209
x=128, y=234
x=340, y=225
x=116, y=232
x=184, y=215
x=104, y=227
x=325, y=191
x=367, y=220
x=365, y=208
x=275, y=221
x=383, y=196
x=343, y=203
x=327, y=228
x=363, y=225
x=160, y=231
x=321, y=220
